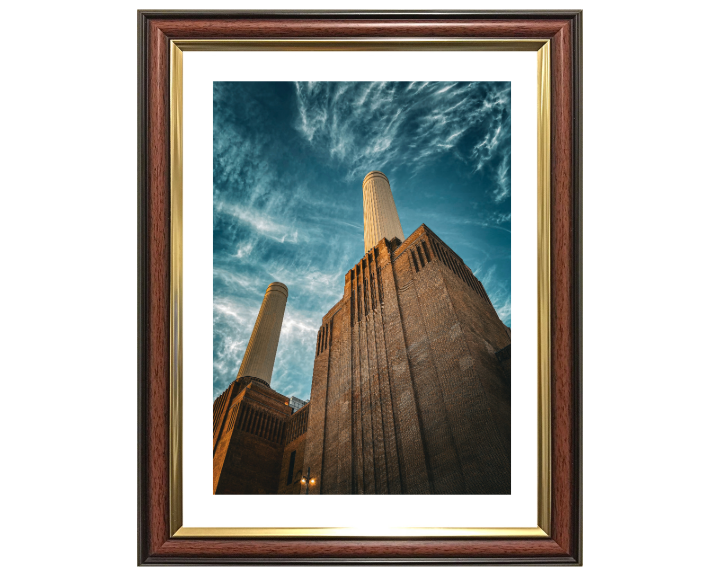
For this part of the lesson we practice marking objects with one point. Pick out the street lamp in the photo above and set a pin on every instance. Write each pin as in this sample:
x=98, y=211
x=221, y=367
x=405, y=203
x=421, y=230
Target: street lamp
x=307, y=481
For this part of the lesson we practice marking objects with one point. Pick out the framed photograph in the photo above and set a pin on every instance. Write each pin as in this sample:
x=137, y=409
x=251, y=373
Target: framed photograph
x=341, y=214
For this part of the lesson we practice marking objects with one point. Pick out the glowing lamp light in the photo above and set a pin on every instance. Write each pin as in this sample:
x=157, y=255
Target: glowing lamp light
x=307, y=481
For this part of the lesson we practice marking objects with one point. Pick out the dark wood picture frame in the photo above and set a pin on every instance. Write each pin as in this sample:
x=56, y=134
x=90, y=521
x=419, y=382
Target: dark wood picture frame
x=155, y=31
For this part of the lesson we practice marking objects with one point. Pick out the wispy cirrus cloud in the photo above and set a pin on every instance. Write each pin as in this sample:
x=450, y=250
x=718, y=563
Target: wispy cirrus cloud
x=498, y=290
x=428, y=120
x=502, y=179
x=288, y=164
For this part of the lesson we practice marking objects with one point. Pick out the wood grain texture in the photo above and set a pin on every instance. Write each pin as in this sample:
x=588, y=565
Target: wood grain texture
x=154, y=32
x=159, y=272
x=358, y=28
x=561, y=280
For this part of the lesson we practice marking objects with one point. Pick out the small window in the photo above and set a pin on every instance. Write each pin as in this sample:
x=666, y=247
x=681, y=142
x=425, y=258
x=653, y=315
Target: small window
x=291, y=468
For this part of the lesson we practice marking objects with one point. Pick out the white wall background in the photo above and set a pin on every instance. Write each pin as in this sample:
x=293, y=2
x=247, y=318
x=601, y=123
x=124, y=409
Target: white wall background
x=68, y=305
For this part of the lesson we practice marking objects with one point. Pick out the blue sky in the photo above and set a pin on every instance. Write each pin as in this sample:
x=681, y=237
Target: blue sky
x=288, y=164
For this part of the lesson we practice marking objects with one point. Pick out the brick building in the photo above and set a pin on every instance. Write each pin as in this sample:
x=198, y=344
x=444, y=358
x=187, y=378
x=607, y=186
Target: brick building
x=248, y=438
x=411, y=383
x=258, y=441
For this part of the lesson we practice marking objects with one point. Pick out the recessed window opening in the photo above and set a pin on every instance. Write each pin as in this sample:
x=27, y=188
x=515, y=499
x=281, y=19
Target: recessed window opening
x=291, y=468
x=426, y=249
x=414, y=261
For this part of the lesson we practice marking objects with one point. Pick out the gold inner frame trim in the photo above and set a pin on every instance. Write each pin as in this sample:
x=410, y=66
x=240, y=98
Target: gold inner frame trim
x=542, y=47
x=360, y=532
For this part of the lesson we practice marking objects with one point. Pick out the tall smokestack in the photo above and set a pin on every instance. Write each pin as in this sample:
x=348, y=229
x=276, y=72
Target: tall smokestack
x=380, y=215
x=260, y=353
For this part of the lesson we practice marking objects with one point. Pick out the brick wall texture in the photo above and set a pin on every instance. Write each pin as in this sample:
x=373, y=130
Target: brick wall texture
x=291, y=468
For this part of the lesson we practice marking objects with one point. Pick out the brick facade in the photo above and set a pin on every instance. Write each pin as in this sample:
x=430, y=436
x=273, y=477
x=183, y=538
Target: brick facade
x=408, y=395
x=249, y=440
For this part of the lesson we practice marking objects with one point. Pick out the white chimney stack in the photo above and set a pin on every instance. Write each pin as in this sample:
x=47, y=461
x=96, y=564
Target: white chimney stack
x=379, y=212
